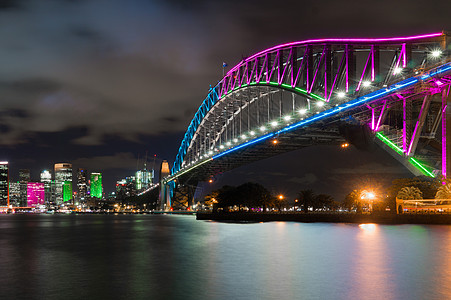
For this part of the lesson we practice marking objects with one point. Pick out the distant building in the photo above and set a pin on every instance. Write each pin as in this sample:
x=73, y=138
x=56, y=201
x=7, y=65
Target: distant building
x=96, y=185
x=67, y=191
x=46, y=179
x=14, y=193
x=144, y=179
x=35, y=194
x=24, y=178
x=4, y=183
x=126, y=187
x=82, y=184
x=63, y=177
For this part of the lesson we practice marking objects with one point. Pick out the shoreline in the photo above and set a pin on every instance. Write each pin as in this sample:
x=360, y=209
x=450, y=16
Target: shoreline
x=389, y=219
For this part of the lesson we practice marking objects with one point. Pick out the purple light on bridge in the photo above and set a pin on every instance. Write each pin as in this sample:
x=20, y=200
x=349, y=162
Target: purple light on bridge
x=404, y=126
x=372, y=119
x=444, y=138
x=338, y=40
x=445, y=95
x=373, y=75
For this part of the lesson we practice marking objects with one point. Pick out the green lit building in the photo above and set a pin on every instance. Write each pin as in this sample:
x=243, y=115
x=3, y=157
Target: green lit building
x=96, y=185
x=67, y=191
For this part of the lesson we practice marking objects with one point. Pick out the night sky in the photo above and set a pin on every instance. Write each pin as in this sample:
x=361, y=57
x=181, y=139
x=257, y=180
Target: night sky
x=100, y=82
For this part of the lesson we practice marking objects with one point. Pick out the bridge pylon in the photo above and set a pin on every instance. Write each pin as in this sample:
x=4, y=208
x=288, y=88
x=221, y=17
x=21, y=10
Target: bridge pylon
x=165, y=187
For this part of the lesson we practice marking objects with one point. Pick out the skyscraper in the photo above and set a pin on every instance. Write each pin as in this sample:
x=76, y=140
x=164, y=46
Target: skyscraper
x=14, y=193
x=24, y=178
x=67, y=191
x=4, y=183
x=46, y=179
x=144, y=179
x=63, y=178
x=35, y=194
x=96, y=185
x=82, y=184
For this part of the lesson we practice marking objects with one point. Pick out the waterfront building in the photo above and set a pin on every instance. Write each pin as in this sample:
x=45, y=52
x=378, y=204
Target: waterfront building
x=35, y=194
x=14, y=193
x=126, y=187
x=24, y=178
x=144, y=179
x=82, y=185
x=63, y=176
x=46, y=179
x=96, y=189
x=67, y=191
x=4, y=183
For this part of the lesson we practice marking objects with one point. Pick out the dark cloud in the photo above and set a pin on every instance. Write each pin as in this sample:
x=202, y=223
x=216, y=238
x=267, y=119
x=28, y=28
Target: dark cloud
x=85, y=33
x=10, y=4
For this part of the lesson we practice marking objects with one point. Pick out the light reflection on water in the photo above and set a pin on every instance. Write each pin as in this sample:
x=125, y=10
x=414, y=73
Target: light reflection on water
x=177, y=257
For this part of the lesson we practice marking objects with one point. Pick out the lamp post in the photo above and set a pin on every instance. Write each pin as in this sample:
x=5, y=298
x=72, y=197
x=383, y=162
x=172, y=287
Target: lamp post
x=280, y=197
x=369, y=196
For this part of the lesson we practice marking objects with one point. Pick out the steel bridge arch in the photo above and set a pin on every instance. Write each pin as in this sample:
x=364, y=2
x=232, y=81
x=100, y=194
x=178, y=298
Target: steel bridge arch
x=315, y=70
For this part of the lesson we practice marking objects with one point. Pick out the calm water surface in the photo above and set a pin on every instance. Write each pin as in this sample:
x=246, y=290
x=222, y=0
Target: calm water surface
x=177, y=257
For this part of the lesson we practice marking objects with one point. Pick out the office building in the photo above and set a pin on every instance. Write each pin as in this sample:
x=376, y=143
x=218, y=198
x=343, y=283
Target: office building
x=63, y=176
x=82, y=184
x=35, y=194
x=67, y=191
x=46, y=179
x=4, y=183
x=14, y=193
x=24, y=178
x=96, y=185
x=144, y=179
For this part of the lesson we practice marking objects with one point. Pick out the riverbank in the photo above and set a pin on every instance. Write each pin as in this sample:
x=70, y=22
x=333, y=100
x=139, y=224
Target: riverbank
x=439, y=219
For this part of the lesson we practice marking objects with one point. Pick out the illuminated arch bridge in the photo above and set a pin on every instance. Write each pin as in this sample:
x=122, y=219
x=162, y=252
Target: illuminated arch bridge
x=324, y=91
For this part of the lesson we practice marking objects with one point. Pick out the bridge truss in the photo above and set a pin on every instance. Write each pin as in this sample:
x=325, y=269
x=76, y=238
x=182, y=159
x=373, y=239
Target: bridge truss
x=311, y=92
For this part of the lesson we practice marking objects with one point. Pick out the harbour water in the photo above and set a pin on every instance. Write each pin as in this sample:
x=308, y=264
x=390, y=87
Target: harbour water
x=177, y=257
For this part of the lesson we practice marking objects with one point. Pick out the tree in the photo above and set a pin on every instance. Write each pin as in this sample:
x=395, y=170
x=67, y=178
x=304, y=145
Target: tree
x=226, y=196
x=306, y=199
x=410, y=193
x=210, y=199
x=352, y=200
x=248, y=195
x=427, y=186
x=323, y=201
x=255, y=195
x=444, y=192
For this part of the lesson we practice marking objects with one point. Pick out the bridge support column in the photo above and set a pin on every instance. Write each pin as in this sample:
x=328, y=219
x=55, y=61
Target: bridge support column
x=446, y=133
x=165, y=196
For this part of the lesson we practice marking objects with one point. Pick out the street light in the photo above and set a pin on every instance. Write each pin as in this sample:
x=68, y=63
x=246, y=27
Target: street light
x=368, y=195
